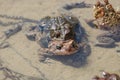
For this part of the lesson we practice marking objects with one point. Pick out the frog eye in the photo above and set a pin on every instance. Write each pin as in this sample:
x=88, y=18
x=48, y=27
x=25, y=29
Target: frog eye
x=59, y=47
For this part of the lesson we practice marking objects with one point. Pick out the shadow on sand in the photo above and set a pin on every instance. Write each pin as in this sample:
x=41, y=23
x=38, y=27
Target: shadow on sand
x=77, y=5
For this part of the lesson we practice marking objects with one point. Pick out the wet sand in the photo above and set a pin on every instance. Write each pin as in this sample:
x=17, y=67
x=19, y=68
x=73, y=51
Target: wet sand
x=22, y=56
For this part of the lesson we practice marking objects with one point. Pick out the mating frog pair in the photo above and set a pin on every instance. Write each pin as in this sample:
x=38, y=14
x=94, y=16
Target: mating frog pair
x=60, y=36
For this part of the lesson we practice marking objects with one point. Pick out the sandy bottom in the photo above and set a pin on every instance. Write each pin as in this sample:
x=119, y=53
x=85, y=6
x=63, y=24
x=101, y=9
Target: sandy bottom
x=22, y=56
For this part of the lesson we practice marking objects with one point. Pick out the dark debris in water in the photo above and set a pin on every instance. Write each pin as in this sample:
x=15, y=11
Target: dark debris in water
x=76, y=5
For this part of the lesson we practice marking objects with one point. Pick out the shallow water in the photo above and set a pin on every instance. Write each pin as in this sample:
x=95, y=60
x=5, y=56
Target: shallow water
x=22, y=56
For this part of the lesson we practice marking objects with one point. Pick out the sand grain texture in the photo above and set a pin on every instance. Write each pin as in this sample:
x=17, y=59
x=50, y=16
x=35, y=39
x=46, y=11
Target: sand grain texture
x=24, y=59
